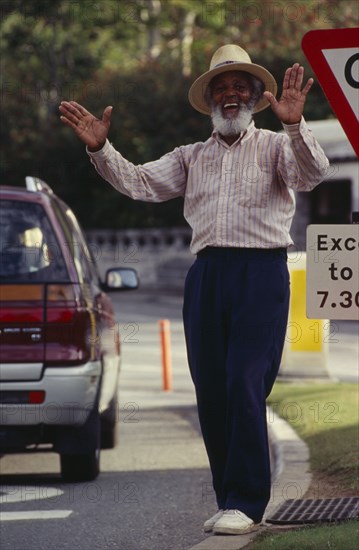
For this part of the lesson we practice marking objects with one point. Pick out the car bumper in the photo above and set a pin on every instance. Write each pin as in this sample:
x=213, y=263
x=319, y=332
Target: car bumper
x=70, y=394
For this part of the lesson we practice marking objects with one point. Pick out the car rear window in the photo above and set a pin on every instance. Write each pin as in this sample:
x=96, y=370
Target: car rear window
x=29, y=250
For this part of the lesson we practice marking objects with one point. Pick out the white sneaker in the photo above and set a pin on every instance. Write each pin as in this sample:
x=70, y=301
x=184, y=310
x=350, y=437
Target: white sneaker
x=208, y=525
x=234, y=522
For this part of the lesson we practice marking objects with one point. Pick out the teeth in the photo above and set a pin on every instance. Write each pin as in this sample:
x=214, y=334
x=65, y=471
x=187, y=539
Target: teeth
x=230, y=105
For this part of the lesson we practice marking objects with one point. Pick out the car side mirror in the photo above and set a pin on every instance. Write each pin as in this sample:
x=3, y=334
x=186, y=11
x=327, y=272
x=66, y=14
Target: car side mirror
x=121, y=278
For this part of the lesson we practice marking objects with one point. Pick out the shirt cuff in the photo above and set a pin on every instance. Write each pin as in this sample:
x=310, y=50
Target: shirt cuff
x=102, y=153
x=294, y=130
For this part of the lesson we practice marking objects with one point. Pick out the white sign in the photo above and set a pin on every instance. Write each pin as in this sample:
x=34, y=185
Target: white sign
x=348, y=79
x=333, y=272
x=334, y=57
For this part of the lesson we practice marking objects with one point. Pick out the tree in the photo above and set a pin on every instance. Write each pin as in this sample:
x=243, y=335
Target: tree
x=141, y=57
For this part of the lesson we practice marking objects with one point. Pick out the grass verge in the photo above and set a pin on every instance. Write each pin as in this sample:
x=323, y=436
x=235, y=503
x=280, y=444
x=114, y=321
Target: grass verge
x=337, y=537
x=326, y=417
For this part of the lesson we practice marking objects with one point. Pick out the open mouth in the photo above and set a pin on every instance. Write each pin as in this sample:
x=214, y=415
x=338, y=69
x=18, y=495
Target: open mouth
x=230, y=108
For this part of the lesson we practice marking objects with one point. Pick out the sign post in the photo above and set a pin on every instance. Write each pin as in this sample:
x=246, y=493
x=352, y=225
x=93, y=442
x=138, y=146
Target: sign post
x=333, y=271
x=334, y=57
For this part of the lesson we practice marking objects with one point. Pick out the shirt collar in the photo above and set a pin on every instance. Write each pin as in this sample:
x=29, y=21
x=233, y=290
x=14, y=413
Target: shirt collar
x=244, y=135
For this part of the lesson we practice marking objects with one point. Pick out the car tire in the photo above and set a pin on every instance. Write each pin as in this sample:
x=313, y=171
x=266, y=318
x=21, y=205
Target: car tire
x=80, y=467
x=82, y=463
x=109, y=425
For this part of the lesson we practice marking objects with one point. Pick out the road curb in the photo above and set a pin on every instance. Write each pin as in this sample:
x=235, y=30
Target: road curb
x=290, y=474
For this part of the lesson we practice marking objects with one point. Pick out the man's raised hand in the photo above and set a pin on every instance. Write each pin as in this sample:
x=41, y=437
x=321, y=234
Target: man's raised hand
x=91, y=130
x=289, y=108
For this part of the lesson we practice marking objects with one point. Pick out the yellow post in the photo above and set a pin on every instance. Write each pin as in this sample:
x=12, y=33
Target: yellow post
x=306, y=344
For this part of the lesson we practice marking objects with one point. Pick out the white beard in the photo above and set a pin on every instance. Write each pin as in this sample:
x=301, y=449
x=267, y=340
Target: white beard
x=231, y=126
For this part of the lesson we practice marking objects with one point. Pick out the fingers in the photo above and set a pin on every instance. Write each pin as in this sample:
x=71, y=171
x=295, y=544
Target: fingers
x=293, y=77
x=107, y=115
x=270, y=97
x=293, y=80
x=286, y=79
x=78, y=109
x=74, y=107
x=71, y=115
x=68, y=122
x=74, y=113
x=296, y=77
x=308, y=86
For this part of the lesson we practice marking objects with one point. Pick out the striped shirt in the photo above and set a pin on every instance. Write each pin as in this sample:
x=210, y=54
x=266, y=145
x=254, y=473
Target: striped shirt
x=234, y=196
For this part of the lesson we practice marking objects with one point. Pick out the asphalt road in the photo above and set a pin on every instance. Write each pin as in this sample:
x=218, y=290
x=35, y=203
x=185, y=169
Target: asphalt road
x=154, y=491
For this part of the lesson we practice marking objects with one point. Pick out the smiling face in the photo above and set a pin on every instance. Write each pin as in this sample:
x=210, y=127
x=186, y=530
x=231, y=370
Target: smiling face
x=232, y=96
x=229, y=90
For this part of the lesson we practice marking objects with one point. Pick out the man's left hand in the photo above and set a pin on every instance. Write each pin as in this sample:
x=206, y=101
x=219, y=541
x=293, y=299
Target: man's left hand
x=289, y=108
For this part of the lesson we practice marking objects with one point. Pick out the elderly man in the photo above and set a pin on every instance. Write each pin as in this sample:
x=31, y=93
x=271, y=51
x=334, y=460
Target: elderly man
x=238, y=189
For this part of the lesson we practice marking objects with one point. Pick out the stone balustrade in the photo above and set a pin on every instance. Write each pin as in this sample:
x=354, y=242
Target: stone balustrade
x=160, y=256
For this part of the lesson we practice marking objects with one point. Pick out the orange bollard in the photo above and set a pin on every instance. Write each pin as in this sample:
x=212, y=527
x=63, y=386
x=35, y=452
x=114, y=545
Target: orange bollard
x=165, y=336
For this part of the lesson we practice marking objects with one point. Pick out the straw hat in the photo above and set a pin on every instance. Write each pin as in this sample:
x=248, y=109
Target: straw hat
x=229, y=58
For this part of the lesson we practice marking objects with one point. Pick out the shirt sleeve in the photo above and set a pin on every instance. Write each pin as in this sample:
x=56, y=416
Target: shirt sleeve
x=155, y=181
x=302, y=162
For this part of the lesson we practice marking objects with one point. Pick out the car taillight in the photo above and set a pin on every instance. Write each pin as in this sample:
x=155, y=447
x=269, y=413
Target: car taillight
x=21, y=304
x=61, y=303
x=22, y=314
x=22, y=397
x=68, y=318
x=36, y=397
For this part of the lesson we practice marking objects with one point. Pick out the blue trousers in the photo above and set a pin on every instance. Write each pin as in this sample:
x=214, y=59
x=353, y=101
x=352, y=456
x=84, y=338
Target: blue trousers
x=235, y=315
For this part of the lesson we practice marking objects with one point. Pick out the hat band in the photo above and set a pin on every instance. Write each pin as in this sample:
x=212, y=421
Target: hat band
x=225, y=63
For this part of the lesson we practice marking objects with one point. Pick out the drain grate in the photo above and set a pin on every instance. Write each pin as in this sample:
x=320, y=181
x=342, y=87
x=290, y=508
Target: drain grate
x=315, y=511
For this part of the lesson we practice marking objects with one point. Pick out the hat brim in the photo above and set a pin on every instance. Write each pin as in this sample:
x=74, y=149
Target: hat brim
x=196, y=94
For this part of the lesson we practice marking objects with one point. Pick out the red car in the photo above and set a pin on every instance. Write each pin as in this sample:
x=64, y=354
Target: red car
x=59, y=343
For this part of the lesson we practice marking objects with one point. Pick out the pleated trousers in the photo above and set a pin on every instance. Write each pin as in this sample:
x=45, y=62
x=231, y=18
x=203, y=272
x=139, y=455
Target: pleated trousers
x=235, y=315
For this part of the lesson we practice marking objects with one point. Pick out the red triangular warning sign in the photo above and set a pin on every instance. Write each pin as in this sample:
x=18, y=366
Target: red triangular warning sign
x=334, y=57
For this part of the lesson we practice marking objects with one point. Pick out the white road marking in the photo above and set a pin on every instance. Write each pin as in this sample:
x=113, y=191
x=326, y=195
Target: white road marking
x=25, y=493
x=12, y=494
x=35, y=514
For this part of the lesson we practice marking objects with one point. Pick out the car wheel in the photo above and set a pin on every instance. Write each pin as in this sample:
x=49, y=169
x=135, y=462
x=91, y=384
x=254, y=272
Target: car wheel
x=80, y=459
x=80, y=467
x=109, y=432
